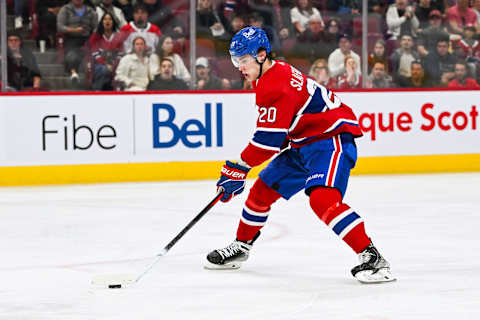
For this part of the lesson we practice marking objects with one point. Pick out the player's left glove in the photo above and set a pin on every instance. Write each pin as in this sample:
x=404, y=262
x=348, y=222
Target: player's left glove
x=232, y=179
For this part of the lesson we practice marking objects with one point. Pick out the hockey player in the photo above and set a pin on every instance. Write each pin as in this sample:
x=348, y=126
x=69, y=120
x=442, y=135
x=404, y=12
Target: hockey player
x=314, y=133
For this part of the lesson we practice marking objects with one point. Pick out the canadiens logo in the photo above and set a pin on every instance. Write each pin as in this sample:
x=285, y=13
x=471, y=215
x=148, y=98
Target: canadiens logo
x=248, y=34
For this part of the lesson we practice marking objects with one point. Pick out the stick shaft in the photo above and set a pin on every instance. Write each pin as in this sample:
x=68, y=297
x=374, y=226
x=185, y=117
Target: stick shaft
x=191, y=223
x=182, y=233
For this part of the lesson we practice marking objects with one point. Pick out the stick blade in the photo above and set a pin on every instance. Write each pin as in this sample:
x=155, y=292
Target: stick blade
x=113, y=280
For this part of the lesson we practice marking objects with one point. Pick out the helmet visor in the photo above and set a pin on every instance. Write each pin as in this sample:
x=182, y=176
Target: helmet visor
x=242, y=60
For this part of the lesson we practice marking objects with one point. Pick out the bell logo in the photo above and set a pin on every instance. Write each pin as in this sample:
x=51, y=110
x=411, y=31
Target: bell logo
x=187, y=130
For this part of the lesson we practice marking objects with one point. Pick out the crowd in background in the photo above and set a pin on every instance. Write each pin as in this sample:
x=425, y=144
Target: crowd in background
x=143, y=44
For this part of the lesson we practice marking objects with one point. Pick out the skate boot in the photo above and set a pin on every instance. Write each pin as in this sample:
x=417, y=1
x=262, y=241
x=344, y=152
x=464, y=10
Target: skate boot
x=373, y=268
x=230, y=257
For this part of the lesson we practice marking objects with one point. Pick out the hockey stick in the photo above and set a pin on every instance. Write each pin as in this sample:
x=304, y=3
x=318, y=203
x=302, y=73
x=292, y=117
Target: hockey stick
x=117, y=281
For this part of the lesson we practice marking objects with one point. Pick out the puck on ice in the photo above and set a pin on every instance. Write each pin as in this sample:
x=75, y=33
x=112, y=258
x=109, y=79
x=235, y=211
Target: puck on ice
x=114, y=286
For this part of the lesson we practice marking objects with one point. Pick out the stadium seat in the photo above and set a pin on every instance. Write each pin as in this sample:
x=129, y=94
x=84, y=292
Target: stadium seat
x=287, y=46
x=374, y=24
x=205, y=48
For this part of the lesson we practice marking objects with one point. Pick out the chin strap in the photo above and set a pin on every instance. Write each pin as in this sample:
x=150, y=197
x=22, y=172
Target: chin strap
x=261, y=67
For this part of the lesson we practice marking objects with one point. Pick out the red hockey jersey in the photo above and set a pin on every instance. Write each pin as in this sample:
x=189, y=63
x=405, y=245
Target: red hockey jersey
x=294, y=109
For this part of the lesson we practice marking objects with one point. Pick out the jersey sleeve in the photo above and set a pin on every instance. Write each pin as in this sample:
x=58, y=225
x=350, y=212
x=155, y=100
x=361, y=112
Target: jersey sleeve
x=275, y=113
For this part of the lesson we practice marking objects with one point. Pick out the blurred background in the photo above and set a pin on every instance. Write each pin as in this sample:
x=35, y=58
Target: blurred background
x=139, y=45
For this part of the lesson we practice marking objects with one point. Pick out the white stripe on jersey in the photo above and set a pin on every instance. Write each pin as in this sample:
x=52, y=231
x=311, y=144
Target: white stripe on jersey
x=338, y=122
x=299, y=114
x=271, y=129
x=262, y=146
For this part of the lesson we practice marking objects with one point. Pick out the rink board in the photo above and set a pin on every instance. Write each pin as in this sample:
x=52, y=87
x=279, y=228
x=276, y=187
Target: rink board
x=90, y=138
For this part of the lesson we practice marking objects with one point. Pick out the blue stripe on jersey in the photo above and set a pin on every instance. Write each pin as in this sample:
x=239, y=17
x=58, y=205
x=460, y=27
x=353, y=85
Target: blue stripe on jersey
x=342, y=224
x=250, y=217
x=317, y=104
x=271, y=139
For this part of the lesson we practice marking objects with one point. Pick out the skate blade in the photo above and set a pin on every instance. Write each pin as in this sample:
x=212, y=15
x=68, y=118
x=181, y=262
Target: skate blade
x=227, y=266
x=382, y=275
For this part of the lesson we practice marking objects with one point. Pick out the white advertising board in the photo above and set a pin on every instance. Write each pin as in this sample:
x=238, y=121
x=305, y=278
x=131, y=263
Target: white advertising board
x=70, y=129
x=67, y=129
x=416, y=122
x=192, y=127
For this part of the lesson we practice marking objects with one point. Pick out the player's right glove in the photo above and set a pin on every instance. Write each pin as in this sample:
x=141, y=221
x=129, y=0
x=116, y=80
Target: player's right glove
x=232, y=179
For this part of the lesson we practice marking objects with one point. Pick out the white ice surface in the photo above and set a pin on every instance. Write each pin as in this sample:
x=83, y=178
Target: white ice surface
x=53, y=240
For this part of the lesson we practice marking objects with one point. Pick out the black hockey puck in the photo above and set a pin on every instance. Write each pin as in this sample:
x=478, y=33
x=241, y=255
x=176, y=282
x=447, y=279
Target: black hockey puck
x=114, y=286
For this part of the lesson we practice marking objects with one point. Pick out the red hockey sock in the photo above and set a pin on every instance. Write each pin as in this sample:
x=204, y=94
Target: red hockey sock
x=347, y=224
x=255, y=212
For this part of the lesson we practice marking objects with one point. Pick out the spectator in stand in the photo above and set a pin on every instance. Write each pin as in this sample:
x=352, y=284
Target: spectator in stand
x=402, y=60
x=438, y=5
x=126, y=7
x=106, y=52
x=222, y=43
x=21, y=12
x=401, y=20
x=77, y=21
x=319, y=72
x=459, y=16
x=161, y=16
x=379, y=79
x=236, y=24
x=23, y=72
x=209, y=24
x=476, y=8
x=47, y=20
x=165, y=80
x=440, y=64
x=378, y=55
x=257, y=20
x=461, y=79
x=349, y=7
x=302, y=13
x=227, y=8
x=428, y=38
x=351, y=78
x=331, y=35
x=468, y=47
x=115, y=12
x=281, y=18
x=140, y=27
x=133, y=71
x=165, y=50
x=336, y=60
x=206, y=80
x=422, y=12
x=310, y=44
x=418, y=79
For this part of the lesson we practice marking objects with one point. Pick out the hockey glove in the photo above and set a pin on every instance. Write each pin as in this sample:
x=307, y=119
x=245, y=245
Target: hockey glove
x=232, y=179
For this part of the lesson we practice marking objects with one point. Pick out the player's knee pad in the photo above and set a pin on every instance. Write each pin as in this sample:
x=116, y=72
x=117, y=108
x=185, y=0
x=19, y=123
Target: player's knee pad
x=261, y=197
x=323, y=200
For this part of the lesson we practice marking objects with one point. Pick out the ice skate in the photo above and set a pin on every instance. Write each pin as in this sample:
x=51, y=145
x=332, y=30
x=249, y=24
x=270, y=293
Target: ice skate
x=373, y=268
x=230, y=257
